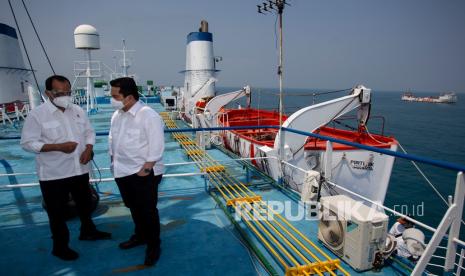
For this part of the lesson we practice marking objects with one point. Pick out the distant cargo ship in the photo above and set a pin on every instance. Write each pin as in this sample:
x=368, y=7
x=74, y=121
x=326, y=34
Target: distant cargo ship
x=443, y=98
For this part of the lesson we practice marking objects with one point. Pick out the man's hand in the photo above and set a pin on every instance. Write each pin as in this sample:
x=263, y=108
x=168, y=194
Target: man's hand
x=146, y=169
x=67, y=147
x=86, y=155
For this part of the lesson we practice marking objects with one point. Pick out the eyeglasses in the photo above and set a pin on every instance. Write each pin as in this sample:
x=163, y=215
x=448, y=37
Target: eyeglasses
x=61, y=93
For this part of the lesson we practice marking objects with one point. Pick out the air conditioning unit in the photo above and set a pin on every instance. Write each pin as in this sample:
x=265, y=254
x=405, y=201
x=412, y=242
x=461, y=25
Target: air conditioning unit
x=352, y=230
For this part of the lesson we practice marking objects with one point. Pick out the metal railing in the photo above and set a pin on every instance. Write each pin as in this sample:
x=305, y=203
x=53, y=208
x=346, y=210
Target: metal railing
x=110, y=179
x=19, y=112
x=451, y=220
x=450, y=223
x=81, y=67
x=411, y=157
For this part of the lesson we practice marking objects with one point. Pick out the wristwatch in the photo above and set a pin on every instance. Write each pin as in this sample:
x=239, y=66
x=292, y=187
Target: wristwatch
x=147, y=170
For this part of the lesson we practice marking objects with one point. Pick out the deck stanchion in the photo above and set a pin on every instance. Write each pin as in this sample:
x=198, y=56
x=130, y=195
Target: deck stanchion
x=454, y=231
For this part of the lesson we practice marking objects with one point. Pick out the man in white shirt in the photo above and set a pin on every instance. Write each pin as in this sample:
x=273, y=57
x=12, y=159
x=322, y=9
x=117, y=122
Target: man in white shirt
x=136, y=143
x=60, y=134
x=399, y=227
x=397, y=230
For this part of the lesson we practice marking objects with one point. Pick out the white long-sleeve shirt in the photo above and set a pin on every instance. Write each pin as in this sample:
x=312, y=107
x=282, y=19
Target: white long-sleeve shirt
x=46, y=124
x=136, y=137
x=396, y=230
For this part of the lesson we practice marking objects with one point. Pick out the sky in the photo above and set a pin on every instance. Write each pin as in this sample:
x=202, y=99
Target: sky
x=390, y=45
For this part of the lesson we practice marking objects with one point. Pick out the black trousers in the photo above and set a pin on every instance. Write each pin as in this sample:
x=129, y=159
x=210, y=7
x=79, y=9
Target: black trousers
x=140, y=195
x=56, y=195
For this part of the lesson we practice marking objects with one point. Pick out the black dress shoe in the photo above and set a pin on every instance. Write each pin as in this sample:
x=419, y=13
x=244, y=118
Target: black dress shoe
x=131, y=243
x=152, y=254
x=66, y=254
x=94, y=236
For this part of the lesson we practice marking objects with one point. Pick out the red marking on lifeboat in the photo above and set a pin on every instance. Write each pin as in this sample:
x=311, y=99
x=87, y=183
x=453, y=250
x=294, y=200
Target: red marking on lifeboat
x=262, y=137
x=252, y=154
x=201, y=104
x=363, y=138
x=10, y=107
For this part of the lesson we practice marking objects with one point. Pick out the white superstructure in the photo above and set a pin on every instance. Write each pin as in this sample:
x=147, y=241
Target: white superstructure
x=14, y=77
x=450, y=97
x=199, y=78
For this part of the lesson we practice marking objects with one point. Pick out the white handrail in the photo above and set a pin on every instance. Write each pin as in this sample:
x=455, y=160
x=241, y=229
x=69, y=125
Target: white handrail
x=460, y=263
x=166, y=165
x=462, y=243
x=436, y=265
x=94, y=180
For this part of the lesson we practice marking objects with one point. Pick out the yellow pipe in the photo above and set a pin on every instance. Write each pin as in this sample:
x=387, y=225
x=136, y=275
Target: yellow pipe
x=226, y=174
x=289, y=256
x=290, y=225
x=266, y=243
x=282, y=237
x=278, y=245
x=287, y=232
x=286, y=241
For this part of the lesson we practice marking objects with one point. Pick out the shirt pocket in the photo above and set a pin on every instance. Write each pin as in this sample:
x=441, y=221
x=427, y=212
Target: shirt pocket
x=52, y=130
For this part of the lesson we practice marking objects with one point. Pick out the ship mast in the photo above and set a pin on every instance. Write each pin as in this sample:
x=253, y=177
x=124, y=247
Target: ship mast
x=125, y=64
x=280, y=5
x=272, y=6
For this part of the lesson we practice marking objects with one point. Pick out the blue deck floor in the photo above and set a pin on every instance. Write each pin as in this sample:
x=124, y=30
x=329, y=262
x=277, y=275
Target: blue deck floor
x=197, y=237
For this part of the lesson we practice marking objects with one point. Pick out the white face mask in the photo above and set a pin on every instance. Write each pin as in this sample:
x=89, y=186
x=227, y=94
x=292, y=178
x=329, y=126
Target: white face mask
x=116, y=104
x=63, y=101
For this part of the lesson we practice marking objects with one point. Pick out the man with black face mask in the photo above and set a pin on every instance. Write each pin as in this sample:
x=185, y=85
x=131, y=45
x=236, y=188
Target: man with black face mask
x=136, y=148
x=60, y=134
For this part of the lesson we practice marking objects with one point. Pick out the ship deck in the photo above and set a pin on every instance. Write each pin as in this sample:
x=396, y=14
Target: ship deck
x=197, y=236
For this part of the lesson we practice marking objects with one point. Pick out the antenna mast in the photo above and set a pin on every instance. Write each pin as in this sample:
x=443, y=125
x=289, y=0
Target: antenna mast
x=272, y=6
x=125, y=64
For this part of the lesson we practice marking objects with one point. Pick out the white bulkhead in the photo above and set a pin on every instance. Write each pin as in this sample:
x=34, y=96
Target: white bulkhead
x=199, y=76
x=14, y=77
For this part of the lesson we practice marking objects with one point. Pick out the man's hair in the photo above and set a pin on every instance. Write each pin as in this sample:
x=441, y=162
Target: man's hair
x=49, y=81
x=407, y=220
x=127, y=86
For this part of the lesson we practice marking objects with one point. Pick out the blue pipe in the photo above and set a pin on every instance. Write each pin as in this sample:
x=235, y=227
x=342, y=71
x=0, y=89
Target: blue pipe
x=105, y=133
x=411, y=157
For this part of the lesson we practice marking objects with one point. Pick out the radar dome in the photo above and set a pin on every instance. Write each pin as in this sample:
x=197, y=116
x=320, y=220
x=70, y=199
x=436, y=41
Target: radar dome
x=86, y=37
